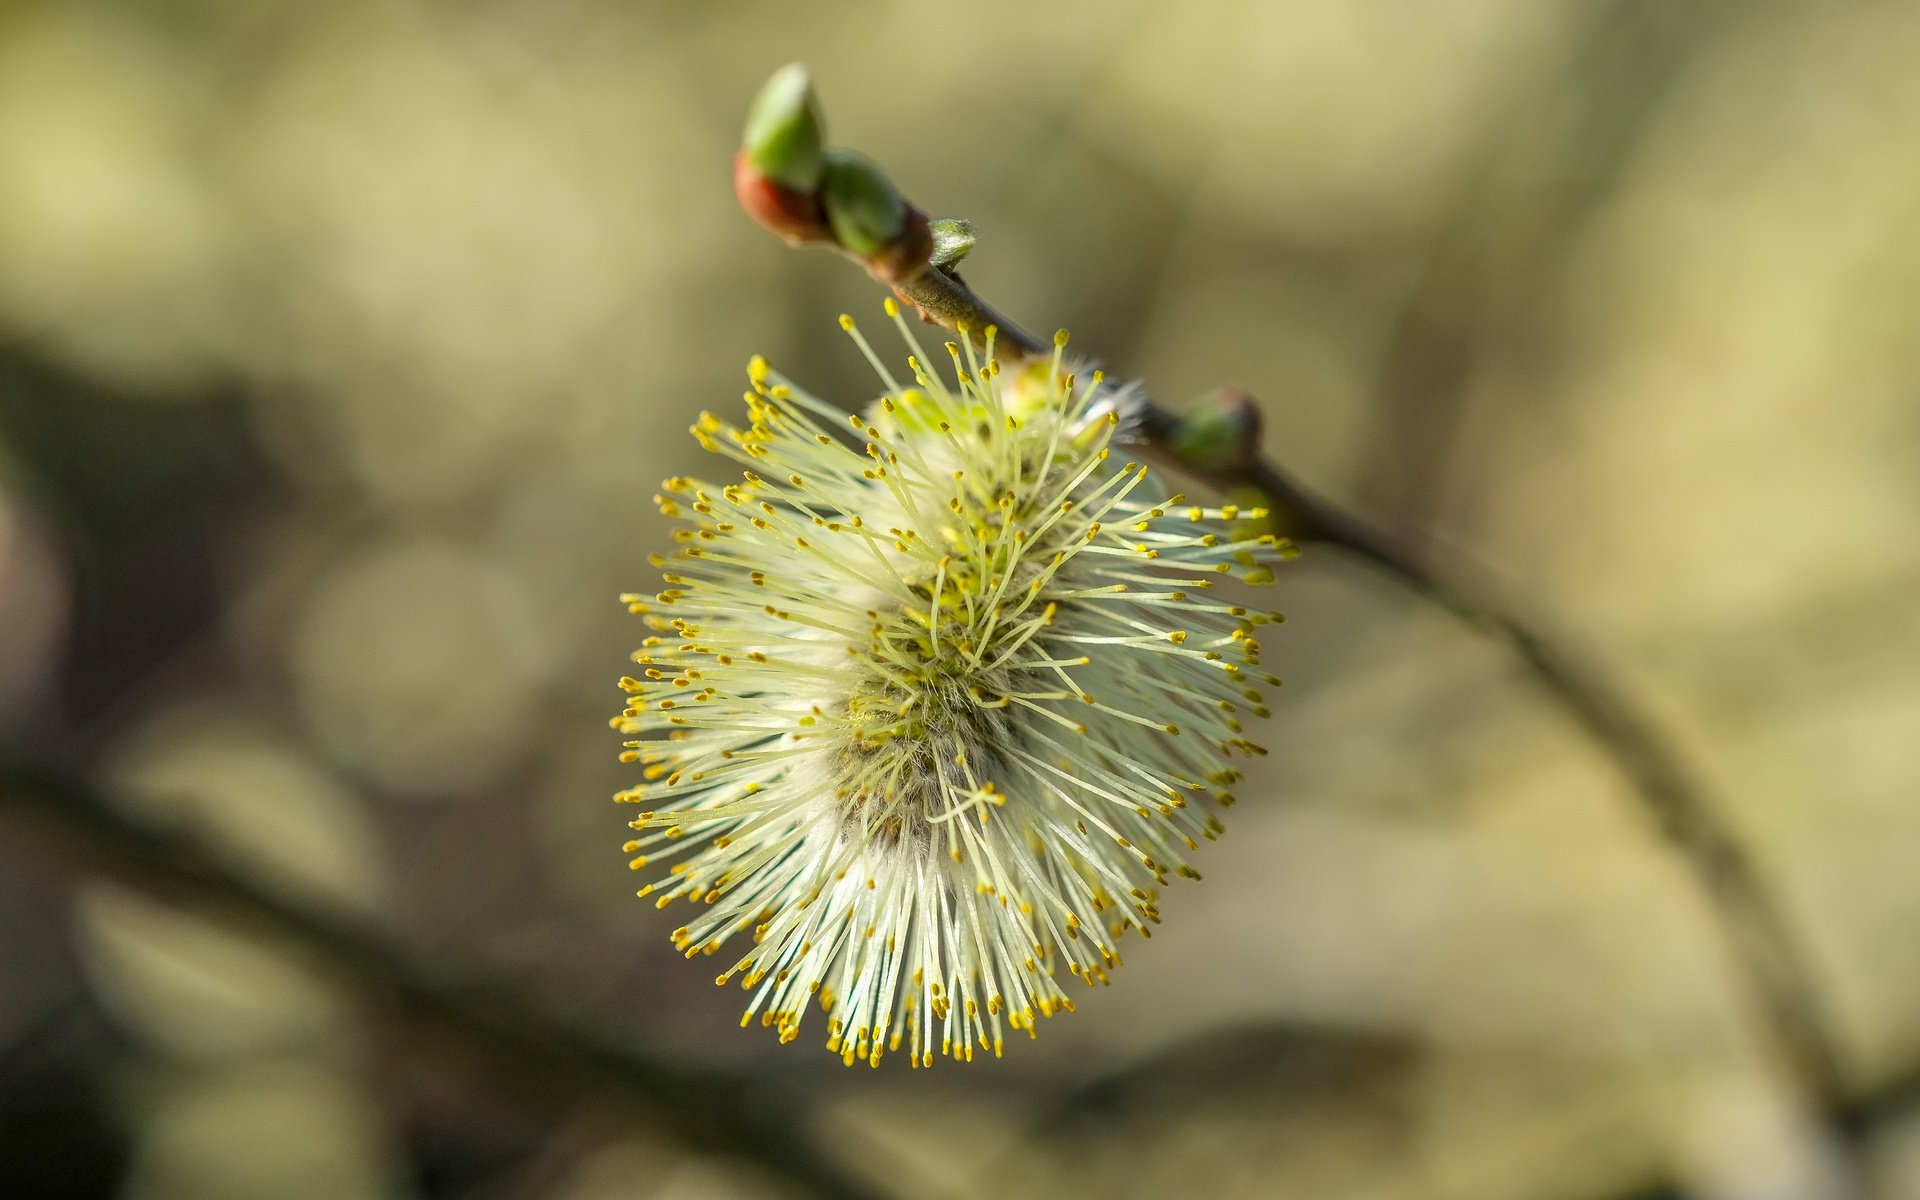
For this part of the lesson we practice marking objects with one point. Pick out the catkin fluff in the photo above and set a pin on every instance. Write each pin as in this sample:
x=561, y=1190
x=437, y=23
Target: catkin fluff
x=927, y=716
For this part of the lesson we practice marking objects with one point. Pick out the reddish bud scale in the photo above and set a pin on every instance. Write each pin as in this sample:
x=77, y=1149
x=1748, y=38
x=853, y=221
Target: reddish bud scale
x=790, y=215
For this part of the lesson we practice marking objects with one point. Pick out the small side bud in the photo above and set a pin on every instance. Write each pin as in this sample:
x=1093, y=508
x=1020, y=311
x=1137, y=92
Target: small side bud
x=1223, y=432
x=952, y=239
x=785, y=139
x=866, y=212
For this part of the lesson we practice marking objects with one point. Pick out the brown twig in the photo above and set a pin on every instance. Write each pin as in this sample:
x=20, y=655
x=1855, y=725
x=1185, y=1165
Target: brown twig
x=943, y=300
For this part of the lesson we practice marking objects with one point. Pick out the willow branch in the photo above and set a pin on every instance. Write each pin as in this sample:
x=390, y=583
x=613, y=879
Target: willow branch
x=809, y=195
x=542, y=1068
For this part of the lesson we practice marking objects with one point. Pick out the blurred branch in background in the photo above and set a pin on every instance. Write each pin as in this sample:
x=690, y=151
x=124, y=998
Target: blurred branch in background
x=542, y=1068
x=539, y=1067
x=1206, y=1066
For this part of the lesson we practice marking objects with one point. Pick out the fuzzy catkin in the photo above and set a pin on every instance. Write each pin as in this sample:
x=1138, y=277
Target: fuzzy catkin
x=928, y=717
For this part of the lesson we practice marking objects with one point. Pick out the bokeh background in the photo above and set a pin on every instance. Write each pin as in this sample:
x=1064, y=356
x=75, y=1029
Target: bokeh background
x=342, y=345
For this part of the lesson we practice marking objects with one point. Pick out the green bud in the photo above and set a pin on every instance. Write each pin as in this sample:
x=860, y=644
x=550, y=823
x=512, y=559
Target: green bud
x=866, y=211
x=1222, y=431
x=952, y=238
x=785, y=131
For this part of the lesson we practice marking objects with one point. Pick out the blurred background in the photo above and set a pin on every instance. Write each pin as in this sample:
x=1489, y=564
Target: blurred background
x=342, y=345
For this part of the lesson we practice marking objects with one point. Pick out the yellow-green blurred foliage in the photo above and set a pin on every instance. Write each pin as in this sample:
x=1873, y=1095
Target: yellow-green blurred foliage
x=343, y=344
